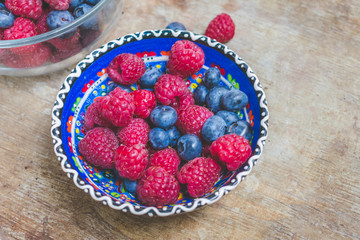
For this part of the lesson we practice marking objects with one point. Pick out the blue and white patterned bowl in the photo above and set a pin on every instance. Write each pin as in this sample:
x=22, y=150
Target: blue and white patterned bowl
x=89, y=80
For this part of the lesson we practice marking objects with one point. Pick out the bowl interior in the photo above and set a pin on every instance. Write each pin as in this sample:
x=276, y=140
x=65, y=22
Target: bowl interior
x=89, y=80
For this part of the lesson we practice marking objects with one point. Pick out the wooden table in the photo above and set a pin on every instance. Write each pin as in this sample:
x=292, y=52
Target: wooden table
x=306, y=186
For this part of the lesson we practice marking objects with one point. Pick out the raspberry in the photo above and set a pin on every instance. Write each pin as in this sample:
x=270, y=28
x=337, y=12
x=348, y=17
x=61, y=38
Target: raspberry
x=221, y=28
x=200, y=175
x=157, y=187
x=167, y=158
x=131, y=162
x=41, y=25
x=191, y=119
x=232, y=149
x=126, y=68
x=93, y=117
x=171, y=90
x=25, y=8
x=22, y=28
x=118, y=107
x=137, y=132
x=37, y=59
x=66, y=43
x=59, y=4
x=185, y=59
x=98, y=147
x=144, y=101
x=184, y=101
x=59, y=55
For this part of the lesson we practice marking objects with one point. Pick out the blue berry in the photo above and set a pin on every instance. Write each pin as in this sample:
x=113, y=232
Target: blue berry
x=57, y=19
x=92, y=2
x=189, y=147
x=234, y=100
x=75, y=3
x=6, y=17
x=163, y=116
x=213, y=99
x=159, y=138
x=229, y=117
x=112, y=85
x=176, y=26
x=213, y=128
x=200, y=94
x=174, y=135
x=82, y=9
x=130, y=186
x=212, y=77
x=241, y=128
x=150, y=77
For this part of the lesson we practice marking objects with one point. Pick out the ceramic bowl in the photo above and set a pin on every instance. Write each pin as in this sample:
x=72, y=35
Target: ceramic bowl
x=89, y=80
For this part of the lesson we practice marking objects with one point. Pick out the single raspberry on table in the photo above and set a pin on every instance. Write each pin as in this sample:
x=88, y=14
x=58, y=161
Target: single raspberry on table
x=231, y=149
x=137, y=132
x=157, y=187
x=118, y=107
x=36, y=59
x=25, y=8
x=185, y=59
x=192, y=118
x=59, y=4
x=131, y=162
x=22, y=28
x=93, y=117
x=126, y=68
x=98, y=147
x=200, y=175
x=144, y=101
x=221, y=28
x=167, y=158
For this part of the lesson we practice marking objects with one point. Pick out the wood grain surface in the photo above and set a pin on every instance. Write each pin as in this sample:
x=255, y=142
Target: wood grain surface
x=306, y=185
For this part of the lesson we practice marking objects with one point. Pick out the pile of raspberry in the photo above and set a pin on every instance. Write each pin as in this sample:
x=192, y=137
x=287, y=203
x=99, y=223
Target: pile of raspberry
x=154, y=136
x=29, y=18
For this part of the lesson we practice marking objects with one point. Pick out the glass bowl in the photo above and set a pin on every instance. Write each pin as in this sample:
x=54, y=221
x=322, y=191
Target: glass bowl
x=60, y=52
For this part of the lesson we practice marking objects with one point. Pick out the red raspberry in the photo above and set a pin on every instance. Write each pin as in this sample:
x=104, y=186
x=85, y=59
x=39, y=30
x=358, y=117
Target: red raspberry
x=131, y=162
x=221, y=28
x=93, y=117
x=232, y=149
x=25, y=8
x=22, y=28
x=184, y=101
x=200, y=175
x=59, y=4
x=185, y=59
x=118, y=107
x=167, y=158
x=37, y=59
x=66, y=43
x=98, y=147
x=41, y=24
x=137, y=132
x=157, y=187
x=191, y=119
x=144, y=101
x=171, y=90
x=126, y=68
x=59, y=55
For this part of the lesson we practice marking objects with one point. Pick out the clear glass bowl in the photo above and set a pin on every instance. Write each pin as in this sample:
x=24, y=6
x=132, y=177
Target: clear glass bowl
x=63, y=52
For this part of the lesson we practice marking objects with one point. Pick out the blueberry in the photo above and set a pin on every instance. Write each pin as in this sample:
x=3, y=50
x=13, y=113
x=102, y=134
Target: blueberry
x=241, y=128
x=159, y=138
x=213, y=99
x=213, y=128
x=200, y=94
x=176, y=26
x=82, y=9
x=150, y=77
x=163, y=116
x=130, y=186
x=75, y=3
x=92, y=2
x=174, y=135
x=6, y=17
x=57, y=19
x=113, y=85
x=234, y=100
x=229, y=117
x=212, y=77
x=189, y=147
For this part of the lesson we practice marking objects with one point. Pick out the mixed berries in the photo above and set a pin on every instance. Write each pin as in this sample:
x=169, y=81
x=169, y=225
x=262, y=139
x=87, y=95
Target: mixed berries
x=28, y=18
x=163, y=138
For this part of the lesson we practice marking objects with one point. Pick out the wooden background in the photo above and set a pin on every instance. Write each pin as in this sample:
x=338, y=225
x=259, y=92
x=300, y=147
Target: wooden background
x=306, y=186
